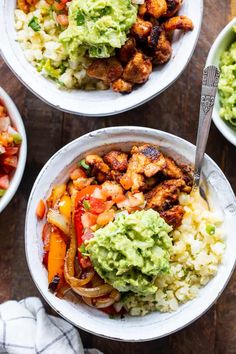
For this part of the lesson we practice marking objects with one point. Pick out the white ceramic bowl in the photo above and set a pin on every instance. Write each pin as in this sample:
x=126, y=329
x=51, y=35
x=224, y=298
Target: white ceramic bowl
x=98, y=103
x=222, y=43
x=154, y=325
x=17, y=121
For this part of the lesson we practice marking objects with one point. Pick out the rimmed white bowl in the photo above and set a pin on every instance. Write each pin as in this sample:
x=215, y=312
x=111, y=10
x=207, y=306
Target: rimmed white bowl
x=98, y=103
x=18, y=123
x=154, y=325
x=222, y=43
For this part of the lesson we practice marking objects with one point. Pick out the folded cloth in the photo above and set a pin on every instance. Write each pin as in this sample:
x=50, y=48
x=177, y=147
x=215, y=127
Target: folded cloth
x=25, y=328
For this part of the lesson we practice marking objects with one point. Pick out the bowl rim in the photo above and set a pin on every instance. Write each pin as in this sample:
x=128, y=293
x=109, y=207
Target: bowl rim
x=16, y=119
x=218, y=121
x=45, y=296
x=6, y=50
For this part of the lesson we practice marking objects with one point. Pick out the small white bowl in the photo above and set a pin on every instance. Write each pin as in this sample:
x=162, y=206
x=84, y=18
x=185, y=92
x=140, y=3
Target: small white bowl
x=98, y=103
x=154, y=325
x=222, y=43
x=18, y=123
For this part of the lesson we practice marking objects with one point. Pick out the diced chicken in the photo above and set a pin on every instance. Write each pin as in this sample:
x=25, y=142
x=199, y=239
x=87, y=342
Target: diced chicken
x=165, y=195
x=173, y=216
x=112, y=189
x=99, y=168
x=128, y=50
x=172, y=170
x=117, y=160
x=142, y=10
x=178, y=22
x=141, y=29
x=138, y=69
x=107, y=70
x=156, y=8
x=146, y=159
x=173, y=7
x=81, y=183
x=122, y=86
x=163, y=50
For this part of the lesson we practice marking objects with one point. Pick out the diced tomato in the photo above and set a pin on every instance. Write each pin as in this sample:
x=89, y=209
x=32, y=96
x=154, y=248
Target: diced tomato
x=40, y=211
x=59, y=5
x=119, y=198
x=88, y=219
x=4, y=182
x=87, y=191
x=97, y=206
x=9, y=161
x=105, y=217
x=85, y=262
x=11, y=151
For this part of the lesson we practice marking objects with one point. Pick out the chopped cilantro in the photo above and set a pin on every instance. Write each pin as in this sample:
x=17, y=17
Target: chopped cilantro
x=86, y=205
x=33, y=23
x=80, y=19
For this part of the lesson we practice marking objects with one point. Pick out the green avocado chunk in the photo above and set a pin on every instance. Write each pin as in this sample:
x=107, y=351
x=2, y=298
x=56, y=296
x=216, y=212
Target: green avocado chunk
x=97, y=26
x=131, y=251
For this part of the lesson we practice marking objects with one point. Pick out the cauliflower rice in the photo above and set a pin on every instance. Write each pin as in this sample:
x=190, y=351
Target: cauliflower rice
x=198, y=248
x=47, y=54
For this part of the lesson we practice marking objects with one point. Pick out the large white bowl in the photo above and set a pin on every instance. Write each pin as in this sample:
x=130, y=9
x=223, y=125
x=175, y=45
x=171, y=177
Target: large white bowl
x=154, y=325
x=222, y=43
x=98, y=103
x=17, y=121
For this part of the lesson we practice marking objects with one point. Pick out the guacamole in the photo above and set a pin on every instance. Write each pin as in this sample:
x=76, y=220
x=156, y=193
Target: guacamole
x=97, y=26
x=131, y=251
x=227, y=85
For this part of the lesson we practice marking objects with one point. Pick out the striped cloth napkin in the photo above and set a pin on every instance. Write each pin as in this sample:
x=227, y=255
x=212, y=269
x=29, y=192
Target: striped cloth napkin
x=25, y=328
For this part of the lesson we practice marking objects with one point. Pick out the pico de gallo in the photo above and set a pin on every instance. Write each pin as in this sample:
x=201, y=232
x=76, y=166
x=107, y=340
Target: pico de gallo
x=10, y=141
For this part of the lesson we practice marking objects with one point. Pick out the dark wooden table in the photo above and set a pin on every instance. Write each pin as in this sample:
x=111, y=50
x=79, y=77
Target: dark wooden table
x=175, y=111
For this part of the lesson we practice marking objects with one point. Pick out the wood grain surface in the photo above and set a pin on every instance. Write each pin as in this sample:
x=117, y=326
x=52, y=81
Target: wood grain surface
x=175, y=111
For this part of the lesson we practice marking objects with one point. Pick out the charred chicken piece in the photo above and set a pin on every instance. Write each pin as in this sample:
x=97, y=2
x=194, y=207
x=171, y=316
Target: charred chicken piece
x=165, y=195
x=112, y=189
x=156, y=8
x=122, y=86
x=146, y=160
x=172, y=170
x=163, y=50
x=99, y=168
x=173, y=216
x=178, y=22
x=141, y=29
x=138, y=69
x=142, y=10
x=173, y=7
x=107, y=70
x=128, y=50
x=117, y=160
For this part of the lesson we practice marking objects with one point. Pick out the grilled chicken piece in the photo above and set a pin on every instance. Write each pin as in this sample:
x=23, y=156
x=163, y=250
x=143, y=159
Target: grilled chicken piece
x=112, y=189
x=172, y=170
x=122, y=86
x=165, y=195
x=117, y=160
x=163, y=50
x=107, y=70
x=128, y=50
x=146, y=159
x=27, y=5
x=142, y=10
x=99, y=168
x=156, y=8
x=141, y=29
x=173, y=6
x=173, y=216
x=178, y=22
x=138, y=69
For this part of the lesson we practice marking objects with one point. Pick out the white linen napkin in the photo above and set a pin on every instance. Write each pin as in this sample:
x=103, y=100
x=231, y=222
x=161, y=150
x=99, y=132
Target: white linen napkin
x=25, y=328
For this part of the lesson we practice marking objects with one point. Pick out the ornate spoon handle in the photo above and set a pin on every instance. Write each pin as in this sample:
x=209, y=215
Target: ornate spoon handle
x=210, y=81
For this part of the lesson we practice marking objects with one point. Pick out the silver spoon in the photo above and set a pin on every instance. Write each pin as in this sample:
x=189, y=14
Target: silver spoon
x=210, y=81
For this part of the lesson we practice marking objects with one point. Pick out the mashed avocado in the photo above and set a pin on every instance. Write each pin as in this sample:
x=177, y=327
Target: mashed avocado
x=131, y=251
x=227, y=85
x=98, y=26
